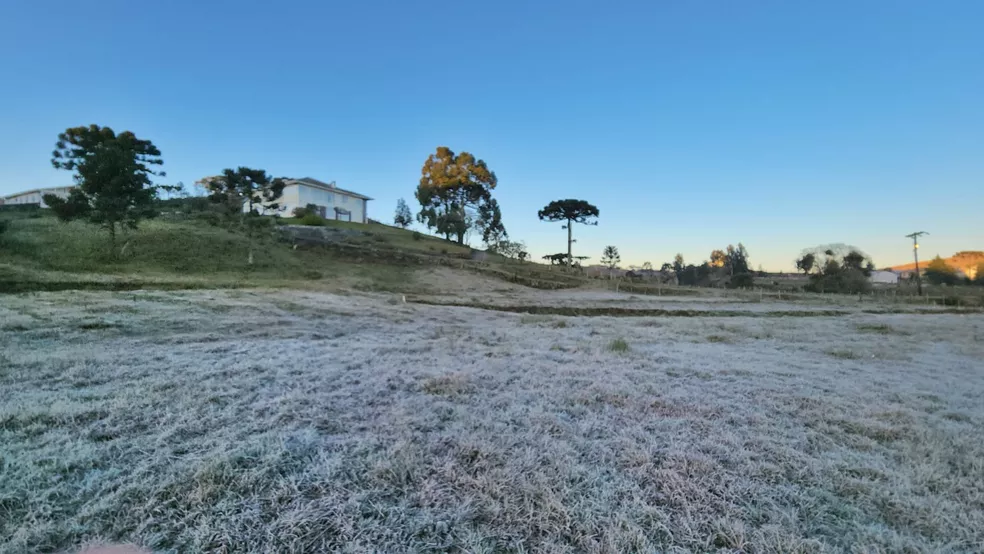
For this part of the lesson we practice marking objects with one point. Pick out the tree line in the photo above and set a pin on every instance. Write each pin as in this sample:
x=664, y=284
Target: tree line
x=114, y=174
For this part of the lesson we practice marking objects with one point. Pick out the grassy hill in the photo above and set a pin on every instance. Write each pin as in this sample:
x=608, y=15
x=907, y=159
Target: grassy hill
x=966, y=261
x=37, y=252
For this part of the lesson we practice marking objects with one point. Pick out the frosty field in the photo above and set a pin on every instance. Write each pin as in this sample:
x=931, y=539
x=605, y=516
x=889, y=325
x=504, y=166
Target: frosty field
x=278, y=421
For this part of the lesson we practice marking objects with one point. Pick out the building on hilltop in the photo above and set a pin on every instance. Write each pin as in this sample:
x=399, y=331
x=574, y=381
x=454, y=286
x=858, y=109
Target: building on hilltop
x=330, y=201
x=884, y=277
x=34, y=196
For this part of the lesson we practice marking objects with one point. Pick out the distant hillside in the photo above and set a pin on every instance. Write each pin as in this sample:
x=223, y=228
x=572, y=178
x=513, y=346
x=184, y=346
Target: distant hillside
x=966, y=261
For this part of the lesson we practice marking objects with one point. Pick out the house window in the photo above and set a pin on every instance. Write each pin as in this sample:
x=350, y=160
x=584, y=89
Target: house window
x=344, y=199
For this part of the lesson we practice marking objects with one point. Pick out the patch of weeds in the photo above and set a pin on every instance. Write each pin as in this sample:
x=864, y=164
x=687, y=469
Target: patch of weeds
x=720, y=339
x=619, y=346
x=844, y=354
x=597, y=398
x=16, y=327
x=534, y=319
x=880, y=328
x=738, y=372
x=97, y=325
x=957, y=416
x=557, y=348
x=560, y=324
x=653, y=323
x=879, y=433
x=451, y=384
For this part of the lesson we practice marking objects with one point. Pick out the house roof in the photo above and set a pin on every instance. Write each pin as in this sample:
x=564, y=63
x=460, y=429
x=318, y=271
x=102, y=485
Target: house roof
x=22, y=193
x=312, y=182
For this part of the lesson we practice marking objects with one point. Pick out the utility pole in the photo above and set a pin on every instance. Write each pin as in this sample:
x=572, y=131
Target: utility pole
x=915, y=254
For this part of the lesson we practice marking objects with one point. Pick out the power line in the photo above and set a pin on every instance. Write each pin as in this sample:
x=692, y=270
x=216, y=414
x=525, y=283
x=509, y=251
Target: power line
x=915, y=254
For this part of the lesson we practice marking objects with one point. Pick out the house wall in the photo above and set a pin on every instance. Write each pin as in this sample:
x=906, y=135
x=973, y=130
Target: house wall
x=884, y=277
x=35, y=197
x=298, y=196
x=331, y=200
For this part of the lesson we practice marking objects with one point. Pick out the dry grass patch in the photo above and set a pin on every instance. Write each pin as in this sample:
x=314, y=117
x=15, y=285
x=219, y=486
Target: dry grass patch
x=843, y=354
x=879, y=328
x=184, y=434
x=452, y=384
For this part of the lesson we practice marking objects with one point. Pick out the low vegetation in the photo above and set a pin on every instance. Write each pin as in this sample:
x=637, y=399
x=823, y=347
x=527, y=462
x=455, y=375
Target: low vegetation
x=289, y=421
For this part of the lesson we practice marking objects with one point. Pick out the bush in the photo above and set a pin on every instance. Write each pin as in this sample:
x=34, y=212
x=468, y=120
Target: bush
x=210, y=218
x=308, y=209
x=417, y=236
x=845, y=281
x=4, y=225
x=741, y=280
x=312, y=219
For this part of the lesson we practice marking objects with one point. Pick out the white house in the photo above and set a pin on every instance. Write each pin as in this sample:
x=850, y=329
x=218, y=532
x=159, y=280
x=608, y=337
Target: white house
x=331, y=201
x=35, y=196
x=883, y=277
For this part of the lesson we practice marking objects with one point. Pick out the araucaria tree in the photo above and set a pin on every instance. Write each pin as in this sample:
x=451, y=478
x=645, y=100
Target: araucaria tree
x=244, y=192
x=610, y=258
x=454, y=191
x=402, y=218
x=572, y=211
x=112, y=176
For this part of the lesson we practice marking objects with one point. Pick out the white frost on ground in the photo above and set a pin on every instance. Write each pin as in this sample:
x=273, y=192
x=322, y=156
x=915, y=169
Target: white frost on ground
x=295, y=422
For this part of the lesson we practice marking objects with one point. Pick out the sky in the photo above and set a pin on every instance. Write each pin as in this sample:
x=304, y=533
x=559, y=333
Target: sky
x=690, y=125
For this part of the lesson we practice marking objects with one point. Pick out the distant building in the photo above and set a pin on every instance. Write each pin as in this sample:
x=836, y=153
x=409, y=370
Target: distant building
x=883, y=277
x=330, y=201
x=34, y=196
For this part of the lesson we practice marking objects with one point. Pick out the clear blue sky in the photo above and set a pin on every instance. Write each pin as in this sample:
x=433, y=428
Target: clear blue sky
x=691, y=125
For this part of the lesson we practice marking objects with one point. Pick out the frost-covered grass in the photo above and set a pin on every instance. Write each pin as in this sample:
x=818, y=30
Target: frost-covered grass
x=274, y=421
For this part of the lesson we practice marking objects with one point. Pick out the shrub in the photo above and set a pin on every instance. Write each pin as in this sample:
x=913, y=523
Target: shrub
x=308, y=209
x=210, y=218
x=741, y=280
x=4, y=225
x=312, y=219
x=846, y=281
x=416, y=235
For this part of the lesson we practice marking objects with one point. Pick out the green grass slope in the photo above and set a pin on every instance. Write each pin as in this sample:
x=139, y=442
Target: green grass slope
x=38, y=252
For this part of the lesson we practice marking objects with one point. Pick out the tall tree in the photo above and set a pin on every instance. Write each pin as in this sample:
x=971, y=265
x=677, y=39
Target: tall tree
x=489, y=222
x=112, y=175
x=938, y=272
x=572, y=211
x=244, y=192
x=610, y=258
x=718, y=258
x=678, y=267
x=402, y=218
x=452, y=190
x=736, y=260
x=806, y=263
x=647, y=266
